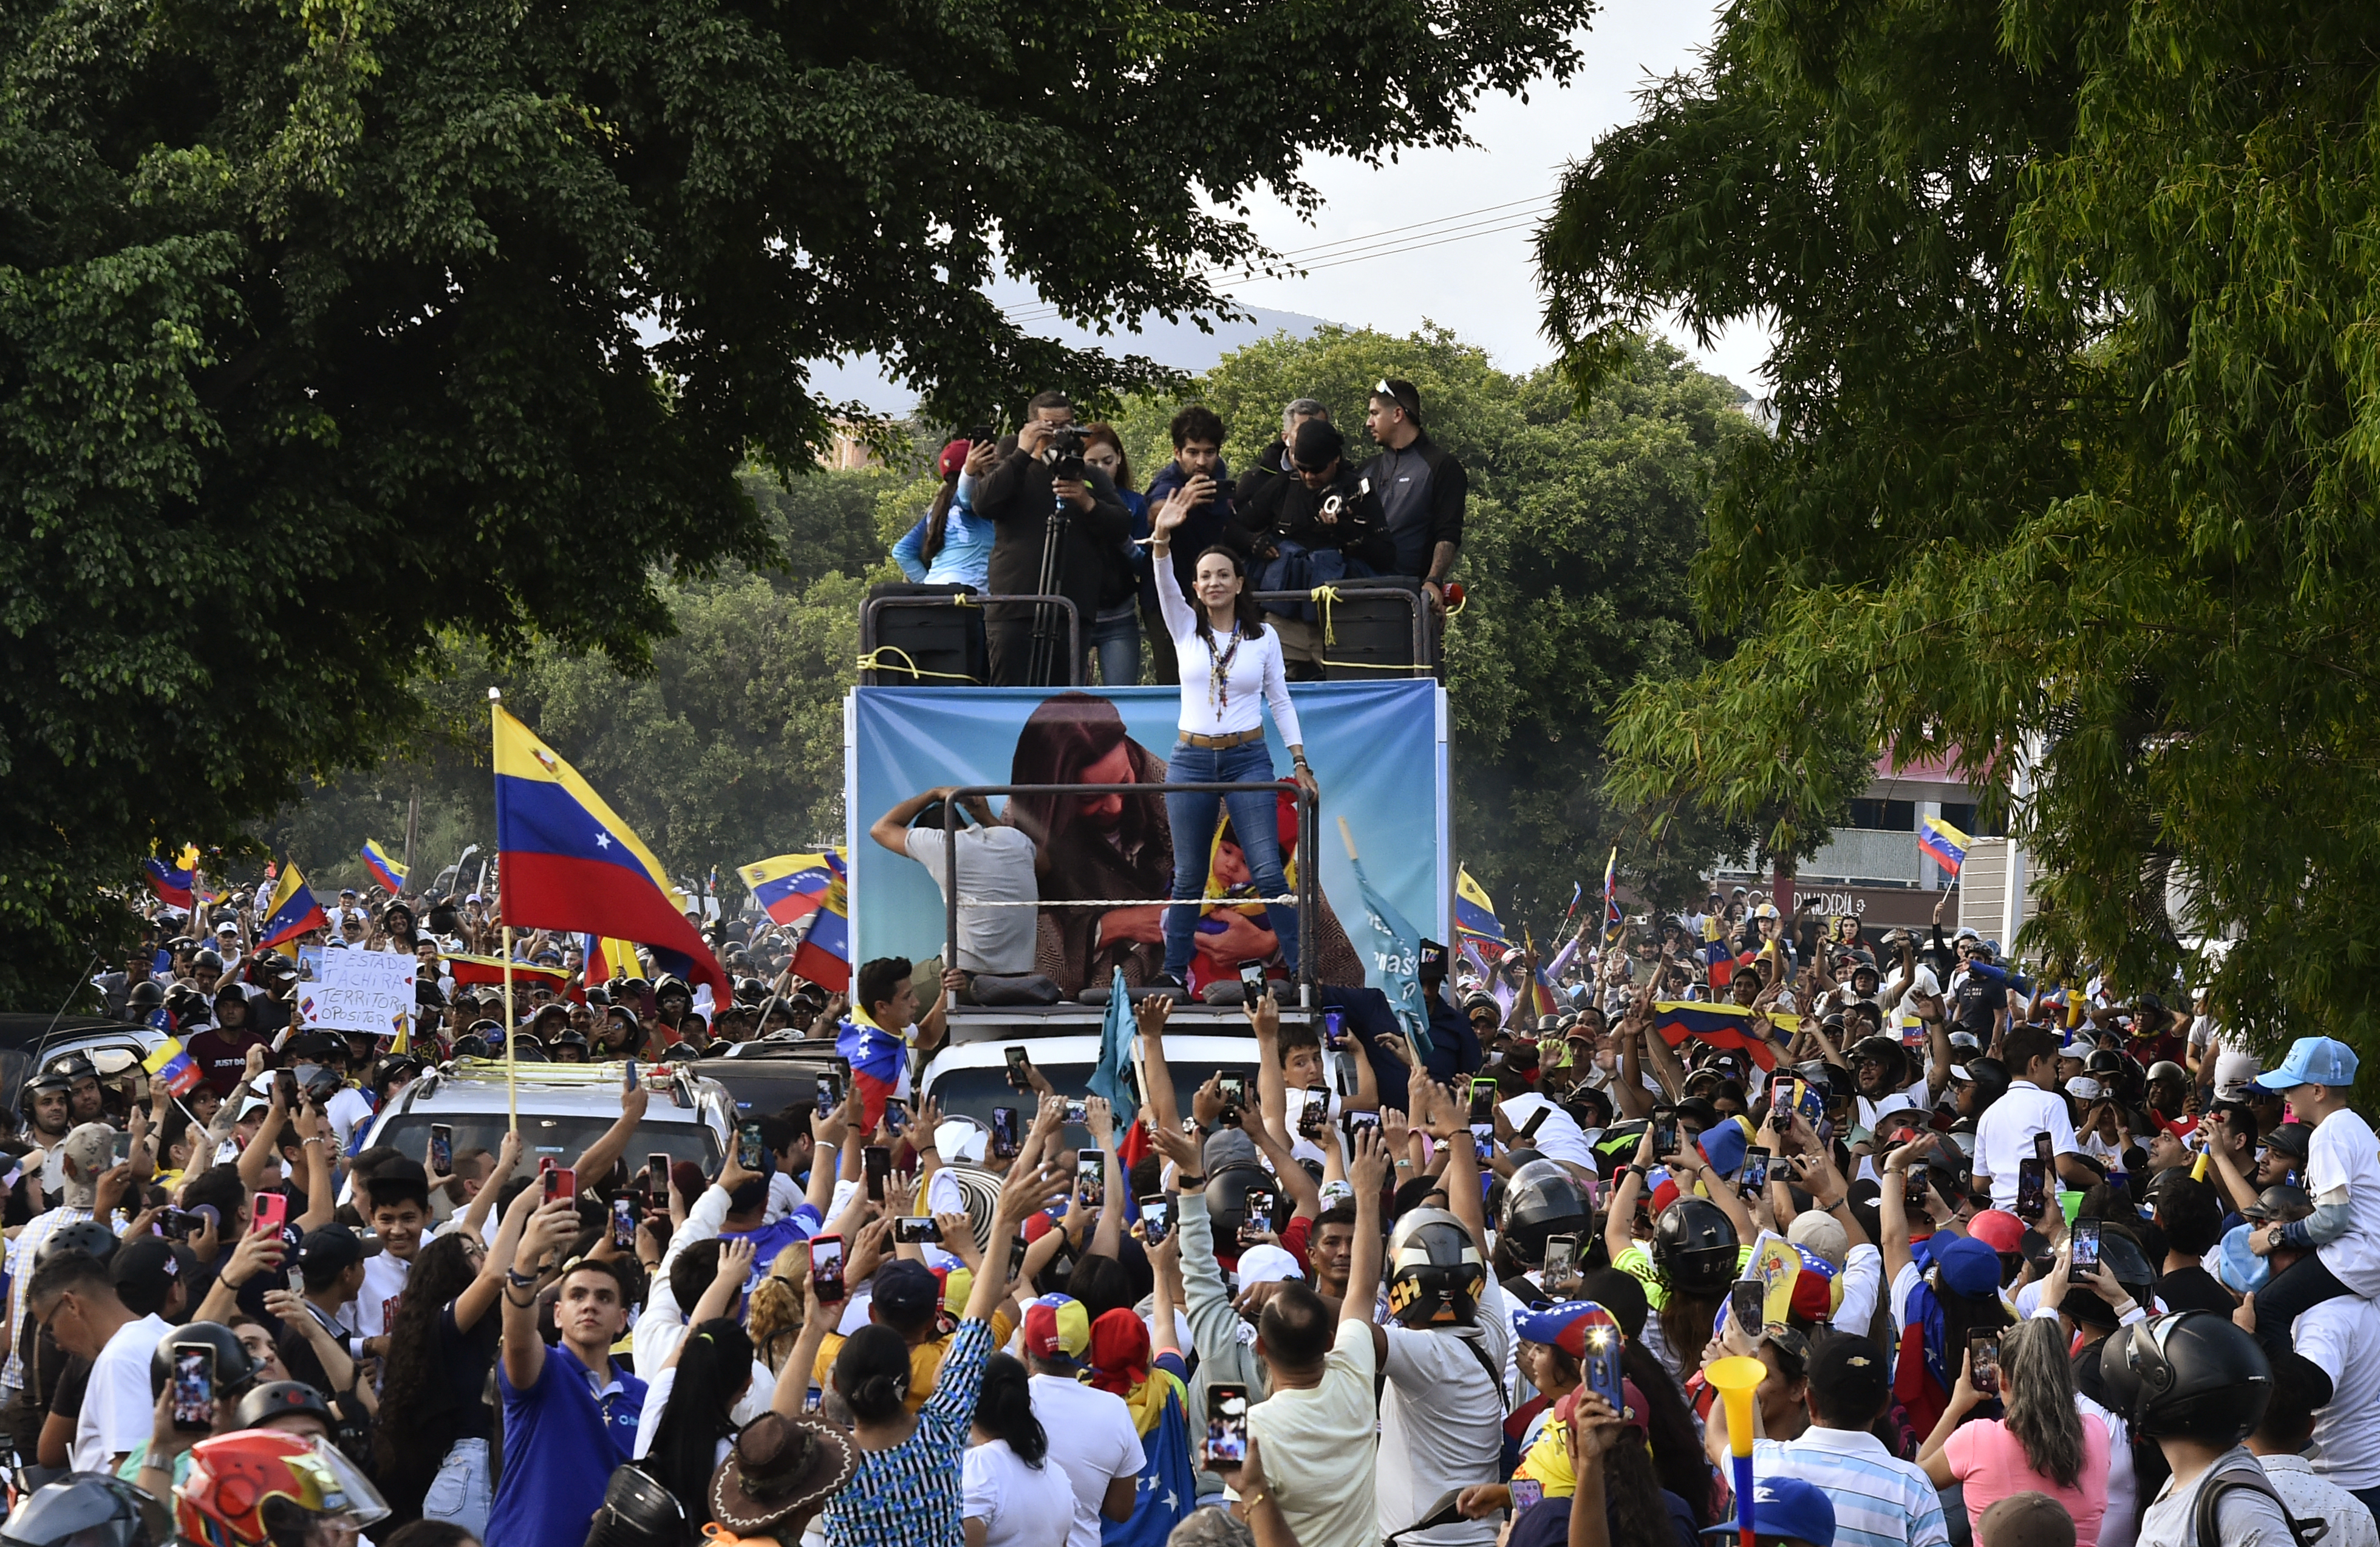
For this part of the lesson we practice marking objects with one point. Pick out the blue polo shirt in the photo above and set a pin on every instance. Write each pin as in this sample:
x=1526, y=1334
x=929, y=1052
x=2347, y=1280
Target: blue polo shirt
x=563, y=1436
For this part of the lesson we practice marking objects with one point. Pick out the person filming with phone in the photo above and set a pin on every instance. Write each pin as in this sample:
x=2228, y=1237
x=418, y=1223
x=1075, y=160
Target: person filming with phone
x=2042, y=1444
x=1230, y=668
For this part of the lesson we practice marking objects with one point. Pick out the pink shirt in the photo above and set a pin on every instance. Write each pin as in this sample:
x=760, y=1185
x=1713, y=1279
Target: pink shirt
x=1987, y=1459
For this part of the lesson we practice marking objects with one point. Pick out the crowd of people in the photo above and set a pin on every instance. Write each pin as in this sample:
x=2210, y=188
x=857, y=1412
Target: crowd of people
x=1056, y=509
x=2021, y=1261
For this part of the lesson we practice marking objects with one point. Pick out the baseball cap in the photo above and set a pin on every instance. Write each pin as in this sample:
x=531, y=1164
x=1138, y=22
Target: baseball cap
x=1852, y=1374
x=1997, y=1229
x=1267, y=1263
x=145, y=1272
x=1785, y=1507
x=1318, y=444
x=2279, y=1201
x=1056, y=1327
x=907, y=1288
x=2312, y=1061
x=397, y=1179
x=1560, y=1326
x=2082, y=1087
x=1968, y=1265
x=91, y=1146
x=1821, y=1232
x=331, y=1247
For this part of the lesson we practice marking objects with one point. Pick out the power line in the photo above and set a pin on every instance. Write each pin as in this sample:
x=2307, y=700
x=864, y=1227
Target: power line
x=1356, y=250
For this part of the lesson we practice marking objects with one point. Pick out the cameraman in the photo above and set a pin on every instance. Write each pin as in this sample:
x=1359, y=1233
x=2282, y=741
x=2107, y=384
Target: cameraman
x=1320, y=524
x=1273, y=460
x=1197, y=467
x=1019, y=497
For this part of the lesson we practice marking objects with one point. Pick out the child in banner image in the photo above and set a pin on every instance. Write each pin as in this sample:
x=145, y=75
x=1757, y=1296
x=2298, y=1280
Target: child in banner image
x=1229, y=932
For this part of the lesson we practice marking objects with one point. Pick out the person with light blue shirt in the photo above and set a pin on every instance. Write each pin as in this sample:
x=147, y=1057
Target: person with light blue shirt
x=950, y=544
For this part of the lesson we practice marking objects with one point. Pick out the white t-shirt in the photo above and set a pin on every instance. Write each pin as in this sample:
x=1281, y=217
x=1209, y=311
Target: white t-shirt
x=1919, y=1095
x=368, y=1314
x=117, y=1410
x=2343, y=1336
x=2344, y=1152
x=1441, y=1426
x=2004, y=1136
x=348, y=1111
x=2123, y=1520
x=1019, y=1505
x=1316, y=1446
x=1091, y=1440
x=2246, y=1519
x=996, y=864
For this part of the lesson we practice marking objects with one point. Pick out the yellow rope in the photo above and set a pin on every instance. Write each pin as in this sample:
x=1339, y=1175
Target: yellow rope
x=1325, y=596
x=873, y=661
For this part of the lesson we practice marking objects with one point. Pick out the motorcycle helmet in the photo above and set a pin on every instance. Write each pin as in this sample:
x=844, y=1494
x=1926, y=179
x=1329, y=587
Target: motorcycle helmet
x=1694, y=1246
x=278, y=1399
x=1227, y=1202
x=85, y=1236
x=88, y=1509
x=235, y=1367
x=1541, y=1199
x=2190, y=1374
x=145, y=997
x=249, y=1488
x=1886, y=1051
x=1435, y=1273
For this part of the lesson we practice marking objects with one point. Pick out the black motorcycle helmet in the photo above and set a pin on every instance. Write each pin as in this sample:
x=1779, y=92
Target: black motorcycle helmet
x=88, y=1509
x=1541, y=1199
x=145, y=996
x=276, y=1399
x=234, y=1366
x=637, y=1512
x=1435, y=1273
x=1886, y=1051
x=1227, y=1201
x=1694, y=1246
x=85, y=1236
x=2190, y=1374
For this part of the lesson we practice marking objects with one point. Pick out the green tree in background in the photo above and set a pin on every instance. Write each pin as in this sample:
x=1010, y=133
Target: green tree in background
x=2075, y=472
x=340, y=342
x=1583, y=520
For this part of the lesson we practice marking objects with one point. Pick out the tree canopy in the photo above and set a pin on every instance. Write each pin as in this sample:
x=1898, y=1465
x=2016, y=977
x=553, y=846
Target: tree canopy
x=2073, y=476
x=340, y=342
x=1583, y=518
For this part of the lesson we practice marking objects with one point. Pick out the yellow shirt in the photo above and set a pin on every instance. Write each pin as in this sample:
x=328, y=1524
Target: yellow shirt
x=925, y=1361
x=1547, y=1461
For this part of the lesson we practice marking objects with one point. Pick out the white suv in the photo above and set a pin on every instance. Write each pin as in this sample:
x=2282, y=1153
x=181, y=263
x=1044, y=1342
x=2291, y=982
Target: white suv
x=564, y=1108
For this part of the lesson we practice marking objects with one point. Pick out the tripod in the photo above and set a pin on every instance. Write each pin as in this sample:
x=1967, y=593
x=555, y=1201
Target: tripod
x=1044, y=658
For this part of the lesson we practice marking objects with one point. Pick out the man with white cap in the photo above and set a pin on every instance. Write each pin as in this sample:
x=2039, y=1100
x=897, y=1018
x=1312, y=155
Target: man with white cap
x=2343, y=1177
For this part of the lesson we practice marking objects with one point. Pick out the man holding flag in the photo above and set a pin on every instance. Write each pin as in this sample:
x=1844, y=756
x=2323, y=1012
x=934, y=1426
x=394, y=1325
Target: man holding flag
x=873, y=1038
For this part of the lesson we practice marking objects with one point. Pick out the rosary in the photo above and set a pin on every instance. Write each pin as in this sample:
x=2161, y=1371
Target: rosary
x=1218, y=669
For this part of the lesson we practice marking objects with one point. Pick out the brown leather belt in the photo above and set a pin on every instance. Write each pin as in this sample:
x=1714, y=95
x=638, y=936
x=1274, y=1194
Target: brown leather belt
x=1238, y=738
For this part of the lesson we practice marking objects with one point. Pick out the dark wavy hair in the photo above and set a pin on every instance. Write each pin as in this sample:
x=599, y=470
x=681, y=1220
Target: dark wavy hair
x=1003, y=1409
x=714, y=1365
x=1064, y=735
x=1245, y=611
x=1676, y=1444
x=408, y=1442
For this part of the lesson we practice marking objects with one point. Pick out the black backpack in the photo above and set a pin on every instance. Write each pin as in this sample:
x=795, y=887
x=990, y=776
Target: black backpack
x=2229, y=1476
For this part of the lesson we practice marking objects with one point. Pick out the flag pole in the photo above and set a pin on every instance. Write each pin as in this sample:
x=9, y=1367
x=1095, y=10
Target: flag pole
x=512, y=1087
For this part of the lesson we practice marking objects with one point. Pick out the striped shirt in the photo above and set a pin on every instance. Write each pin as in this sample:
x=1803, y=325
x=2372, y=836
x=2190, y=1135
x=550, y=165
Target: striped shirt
x=909, y=1496
x=1879, y=1501
x=23, y=1253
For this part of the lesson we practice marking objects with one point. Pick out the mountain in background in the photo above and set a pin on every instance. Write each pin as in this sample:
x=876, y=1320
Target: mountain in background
x=1179, y=345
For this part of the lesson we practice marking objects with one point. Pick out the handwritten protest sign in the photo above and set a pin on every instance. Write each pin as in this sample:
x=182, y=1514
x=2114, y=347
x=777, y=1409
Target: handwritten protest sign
x=360, y=991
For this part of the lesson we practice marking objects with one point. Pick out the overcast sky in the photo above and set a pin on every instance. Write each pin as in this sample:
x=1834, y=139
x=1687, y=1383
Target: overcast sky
x=1484, y=287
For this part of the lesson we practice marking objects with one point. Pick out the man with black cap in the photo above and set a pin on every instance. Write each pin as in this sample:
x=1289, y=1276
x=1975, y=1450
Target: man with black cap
x=1878, y=1498
x=332, y=1262
x=1423, y=490
x=1320, y=524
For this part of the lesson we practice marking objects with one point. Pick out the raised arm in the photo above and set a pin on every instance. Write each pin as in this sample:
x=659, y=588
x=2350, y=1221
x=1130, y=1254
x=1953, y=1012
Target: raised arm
x=322, y=1185
x=1107, y=1235
x=551, y=1226
x=1366, y=1171
x=1150, y=1012
x=596, y=1160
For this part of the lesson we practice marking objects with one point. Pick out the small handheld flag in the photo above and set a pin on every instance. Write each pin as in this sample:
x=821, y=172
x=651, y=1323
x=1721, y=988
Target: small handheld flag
x=824, y=955
x=385, y=871
x=293, y=911
x=173, y=883
x=1944, y=843
x=1475, y=915
x=173, y=1067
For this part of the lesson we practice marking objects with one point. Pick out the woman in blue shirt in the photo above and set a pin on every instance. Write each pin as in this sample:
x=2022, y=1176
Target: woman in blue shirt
x=950, y=544
x=1115, y=634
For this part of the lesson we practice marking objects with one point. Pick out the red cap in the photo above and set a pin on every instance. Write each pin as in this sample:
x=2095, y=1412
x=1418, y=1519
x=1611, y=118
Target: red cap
x=953, y=457
x=1997, y=1229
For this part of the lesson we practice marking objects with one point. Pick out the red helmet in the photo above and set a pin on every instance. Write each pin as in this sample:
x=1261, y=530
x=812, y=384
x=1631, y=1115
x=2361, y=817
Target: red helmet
x=244, y=1486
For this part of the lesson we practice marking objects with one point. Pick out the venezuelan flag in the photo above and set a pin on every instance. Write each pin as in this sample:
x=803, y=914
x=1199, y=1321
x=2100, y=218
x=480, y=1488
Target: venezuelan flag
x=566, y=862
x=1541, y=993
x=607, y=959
x=1944, y=843
x=173, y=883
x=824, y=957
x=385, y=871
x=1475, y=915
x=791, y=887
x=479, y=970
x=292, y=912
x=1680, y=1021
x=173, y=1066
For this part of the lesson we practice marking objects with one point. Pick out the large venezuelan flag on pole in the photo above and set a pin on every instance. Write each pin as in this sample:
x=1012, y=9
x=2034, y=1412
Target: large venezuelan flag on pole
x=1944, y=843
x=1728, y=1026
x=292, y=912
x=568, y=863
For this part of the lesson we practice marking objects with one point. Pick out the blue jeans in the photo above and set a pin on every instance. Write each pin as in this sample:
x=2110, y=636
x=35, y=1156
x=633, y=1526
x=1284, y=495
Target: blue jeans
x=1255, y=823
x=1115, y=639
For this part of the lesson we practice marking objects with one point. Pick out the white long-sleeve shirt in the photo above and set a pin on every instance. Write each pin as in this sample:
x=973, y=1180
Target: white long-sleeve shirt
x=1254, y=673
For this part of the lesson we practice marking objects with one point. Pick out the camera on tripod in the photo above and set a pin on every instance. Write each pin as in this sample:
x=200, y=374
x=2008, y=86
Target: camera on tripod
x=1063, y=452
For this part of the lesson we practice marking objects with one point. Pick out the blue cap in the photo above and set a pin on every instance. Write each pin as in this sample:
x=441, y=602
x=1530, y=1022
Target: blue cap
x=1787, y=1507
x=2312, y=1061
x=1724, y=1145
x=1968, y=1265
x=1560, y=1326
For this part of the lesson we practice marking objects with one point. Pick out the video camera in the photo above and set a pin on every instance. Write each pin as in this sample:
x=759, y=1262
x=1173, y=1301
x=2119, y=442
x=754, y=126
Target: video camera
x=1063, y=454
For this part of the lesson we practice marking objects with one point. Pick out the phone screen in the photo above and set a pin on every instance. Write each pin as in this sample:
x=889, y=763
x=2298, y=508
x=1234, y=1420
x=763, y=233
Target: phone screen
x=1236, y=1096
x=1091, y=1179
x=879, y=1161
x=1156, y=1218
x=1317, y=1113
x=194, y=1389
x=1003, y=1132
x=442, y=1150
x=1527, y=1493
x=656, y=1169
x=2086, y=1246
x=1251, y=980
x=1018, y=1064
x=896, y=1117
x=1915, y=1190
x=915, y=1230
x=2041, y=1150
x=1755, y=1174
x=826, y=1267
x=1665, y=1138
x=1078, y=1111
x=1256, y=1218
x=1483, y=1102
x=751, y=1151
x=1984, y=1360
x=830, y=1095
x=1356, y=1122
x=1746, y=1305
x=1562, y=1258
x=624, y=1224
x=1227, y=1424
x=1331, y=1020
x=2030, y=1197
